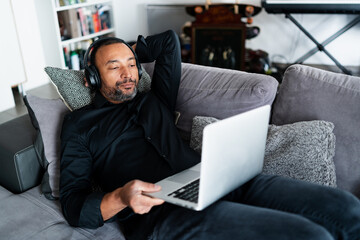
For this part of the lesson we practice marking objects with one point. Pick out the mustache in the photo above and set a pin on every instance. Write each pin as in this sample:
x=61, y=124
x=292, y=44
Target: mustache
x=130, y=80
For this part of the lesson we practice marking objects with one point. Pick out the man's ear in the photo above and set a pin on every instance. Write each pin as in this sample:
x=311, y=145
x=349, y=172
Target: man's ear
x=86, y=83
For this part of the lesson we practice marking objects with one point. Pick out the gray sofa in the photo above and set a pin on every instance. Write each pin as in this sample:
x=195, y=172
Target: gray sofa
x=306, y=94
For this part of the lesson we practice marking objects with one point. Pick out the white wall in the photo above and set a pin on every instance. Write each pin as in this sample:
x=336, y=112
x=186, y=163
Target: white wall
x=11, y=66
x=31, y=46
x=279, y=36
x=49, y=34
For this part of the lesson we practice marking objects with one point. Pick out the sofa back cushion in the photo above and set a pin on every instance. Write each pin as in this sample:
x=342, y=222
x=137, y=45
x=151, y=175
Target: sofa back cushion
x=308, y=93
x=219, y=93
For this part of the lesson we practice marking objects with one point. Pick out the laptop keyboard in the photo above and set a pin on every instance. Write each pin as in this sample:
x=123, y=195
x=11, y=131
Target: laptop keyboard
x=189, y=192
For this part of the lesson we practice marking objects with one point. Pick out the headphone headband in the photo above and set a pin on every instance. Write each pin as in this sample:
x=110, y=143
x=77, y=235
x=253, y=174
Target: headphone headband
x=91, y=72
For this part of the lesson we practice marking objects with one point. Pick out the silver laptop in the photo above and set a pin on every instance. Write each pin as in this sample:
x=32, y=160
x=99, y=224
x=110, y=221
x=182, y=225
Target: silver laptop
x=232, y=153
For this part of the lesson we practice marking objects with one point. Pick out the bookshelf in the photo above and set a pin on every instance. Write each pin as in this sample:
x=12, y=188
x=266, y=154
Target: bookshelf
x=78, y=24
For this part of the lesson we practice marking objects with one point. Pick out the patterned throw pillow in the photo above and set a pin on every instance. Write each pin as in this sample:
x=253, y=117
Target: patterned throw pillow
x=302, y=150
x=71, y=88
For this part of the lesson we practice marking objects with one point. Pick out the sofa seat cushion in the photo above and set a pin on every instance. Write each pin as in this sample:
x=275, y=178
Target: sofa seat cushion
x=307, y=93
x=31, y=216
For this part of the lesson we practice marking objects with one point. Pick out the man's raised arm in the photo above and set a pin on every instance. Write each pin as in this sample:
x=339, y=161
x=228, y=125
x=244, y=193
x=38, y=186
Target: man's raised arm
x=164, y=48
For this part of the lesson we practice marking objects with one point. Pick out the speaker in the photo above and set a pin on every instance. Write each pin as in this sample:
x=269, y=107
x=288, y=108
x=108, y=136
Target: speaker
x=91, y=72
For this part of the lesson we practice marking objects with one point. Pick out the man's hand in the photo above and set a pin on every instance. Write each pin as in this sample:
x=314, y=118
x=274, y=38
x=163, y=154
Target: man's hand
x=130, y=195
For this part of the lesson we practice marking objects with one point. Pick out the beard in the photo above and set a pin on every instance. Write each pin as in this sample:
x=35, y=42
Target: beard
x=117, y=95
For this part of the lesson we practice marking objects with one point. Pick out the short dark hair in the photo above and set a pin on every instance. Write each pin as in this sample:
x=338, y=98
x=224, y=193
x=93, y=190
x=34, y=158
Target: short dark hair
x=97, y=47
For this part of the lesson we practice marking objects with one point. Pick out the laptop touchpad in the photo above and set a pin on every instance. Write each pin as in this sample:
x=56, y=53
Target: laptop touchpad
x=185, y=176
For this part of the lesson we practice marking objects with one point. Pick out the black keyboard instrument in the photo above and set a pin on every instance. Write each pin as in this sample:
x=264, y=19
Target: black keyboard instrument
x=312, y=6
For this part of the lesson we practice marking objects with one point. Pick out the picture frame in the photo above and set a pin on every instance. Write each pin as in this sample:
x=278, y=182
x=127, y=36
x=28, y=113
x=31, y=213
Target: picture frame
x=219, y=45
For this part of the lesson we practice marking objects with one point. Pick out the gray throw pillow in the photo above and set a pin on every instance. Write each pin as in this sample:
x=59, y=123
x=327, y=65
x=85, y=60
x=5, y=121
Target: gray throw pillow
x=47, y=117
x=71, y=88
x=302, y=150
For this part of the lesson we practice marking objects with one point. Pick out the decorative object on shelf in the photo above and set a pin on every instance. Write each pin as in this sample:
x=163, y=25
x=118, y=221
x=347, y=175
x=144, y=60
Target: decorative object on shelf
x=244, y=10
x=218, y=14
x=249, y=11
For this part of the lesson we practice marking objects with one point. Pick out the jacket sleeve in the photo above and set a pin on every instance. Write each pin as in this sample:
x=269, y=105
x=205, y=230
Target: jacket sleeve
x=80, y=205
x=164, y=48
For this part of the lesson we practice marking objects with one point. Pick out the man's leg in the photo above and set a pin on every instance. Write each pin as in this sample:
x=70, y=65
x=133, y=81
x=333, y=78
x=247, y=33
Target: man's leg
x=334, y=209
x=229, y=220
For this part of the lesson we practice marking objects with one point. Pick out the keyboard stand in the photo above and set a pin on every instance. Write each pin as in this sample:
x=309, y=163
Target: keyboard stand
x=321, y=46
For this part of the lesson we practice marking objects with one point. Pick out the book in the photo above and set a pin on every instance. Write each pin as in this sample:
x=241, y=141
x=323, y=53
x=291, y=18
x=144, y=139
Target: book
x=96, y=21
x=88, y=15
x=64, y=25
x=74, y=28
x=83, y=22
x=105, y=18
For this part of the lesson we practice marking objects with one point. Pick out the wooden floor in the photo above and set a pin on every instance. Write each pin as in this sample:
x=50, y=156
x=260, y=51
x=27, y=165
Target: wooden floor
x=45, y=91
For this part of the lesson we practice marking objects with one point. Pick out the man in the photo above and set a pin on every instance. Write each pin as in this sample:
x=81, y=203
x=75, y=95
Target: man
x=126, y=141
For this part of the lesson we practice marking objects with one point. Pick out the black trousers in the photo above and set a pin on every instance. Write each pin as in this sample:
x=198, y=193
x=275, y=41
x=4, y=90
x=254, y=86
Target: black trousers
x=268, y=207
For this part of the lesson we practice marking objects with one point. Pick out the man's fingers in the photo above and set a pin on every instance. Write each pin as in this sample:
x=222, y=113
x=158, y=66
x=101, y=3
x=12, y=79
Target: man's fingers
x=145, y=204
x=136, y=199
x=148, y=187
x=157, y=201
x=152, y=201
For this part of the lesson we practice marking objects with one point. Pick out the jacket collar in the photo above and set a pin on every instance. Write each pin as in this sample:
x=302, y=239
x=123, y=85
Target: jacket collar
x=100, y=100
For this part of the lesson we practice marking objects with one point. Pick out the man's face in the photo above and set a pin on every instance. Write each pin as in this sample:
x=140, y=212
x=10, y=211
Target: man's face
x=118, y=72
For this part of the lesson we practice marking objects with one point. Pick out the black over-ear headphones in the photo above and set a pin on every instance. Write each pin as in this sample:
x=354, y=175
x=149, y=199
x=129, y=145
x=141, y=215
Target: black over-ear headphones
x=91, y=73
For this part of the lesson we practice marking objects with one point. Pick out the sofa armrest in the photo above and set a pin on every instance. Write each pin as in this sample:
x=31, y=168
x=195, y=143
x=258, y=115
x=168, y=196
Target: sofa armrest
x=20, y=168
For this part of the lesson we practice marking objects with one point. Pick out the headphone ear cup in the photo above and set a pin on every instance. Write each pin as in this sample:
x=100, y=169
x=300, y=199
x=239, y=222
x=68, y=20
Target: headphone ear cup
x=140, y=71
x=97, y=79
x=92, y=77
x=88, y=76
